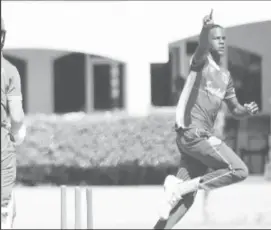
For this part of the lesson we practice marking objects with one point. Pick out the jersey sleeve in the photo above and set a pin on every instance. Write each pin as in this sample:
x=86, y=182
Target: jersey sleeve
x=230, y=91
x=197, y=65
x=14, y=86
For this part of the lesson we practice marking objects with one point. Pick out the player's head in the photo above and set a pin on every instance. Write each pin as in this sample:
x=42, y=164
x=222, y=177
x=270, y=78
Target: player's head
x=3, y=33
x=217, y=39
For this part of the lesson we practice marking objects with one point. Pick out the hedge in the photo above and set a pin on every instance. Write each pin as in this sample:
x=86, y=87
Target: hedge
x=113, y=152
x=99, y=151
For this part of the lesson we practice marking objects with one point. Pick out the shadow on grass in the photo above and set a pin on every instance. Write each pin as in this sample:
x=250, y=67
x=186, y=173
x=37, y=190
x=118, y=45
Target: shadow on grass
x=119, y=175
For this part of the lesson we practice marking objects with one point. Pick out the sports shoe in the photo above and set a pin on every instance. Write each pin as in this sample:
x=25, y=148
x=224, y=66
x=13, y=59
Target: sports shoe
x=172, y=195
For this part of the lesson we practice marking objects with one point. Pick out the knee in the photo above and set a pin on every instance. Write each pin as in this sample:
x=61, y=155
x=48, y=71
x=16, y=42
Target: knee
x=241, y=173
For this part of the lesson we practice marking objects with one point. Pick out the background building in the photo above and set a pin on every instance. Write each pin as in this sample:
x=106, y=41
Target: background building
x=82, y=63
x=59, y=82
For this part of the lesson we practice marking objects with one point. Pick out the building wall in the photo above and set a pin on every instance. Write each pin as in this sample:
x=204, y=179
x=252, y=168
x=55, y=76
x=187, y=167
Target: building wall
x=256, y=38
x=39, y=95
x=40, y=80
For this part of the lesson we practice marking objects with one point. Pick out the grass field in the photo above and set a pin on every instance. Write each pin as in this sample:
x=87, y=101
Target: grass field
x=244, y=205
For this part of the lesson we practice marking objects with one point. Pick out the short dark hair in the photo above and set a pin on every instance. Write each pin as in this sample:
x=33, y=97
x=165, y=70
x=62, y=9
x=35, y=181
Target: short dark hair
x=217, y=26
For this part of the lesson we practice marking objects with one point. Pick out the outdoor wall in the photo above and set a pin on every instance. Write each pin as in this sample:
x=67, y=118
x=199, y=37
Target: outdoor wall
x=256, y=37
x=48, y=76
x=39, y=94
x=40, y=74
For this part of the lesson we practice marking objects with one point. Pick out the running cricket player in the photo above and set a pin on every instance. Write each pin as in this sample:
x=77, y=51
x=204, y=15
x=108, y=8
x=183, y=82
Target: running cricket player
x=13, y=132
x=206, y=161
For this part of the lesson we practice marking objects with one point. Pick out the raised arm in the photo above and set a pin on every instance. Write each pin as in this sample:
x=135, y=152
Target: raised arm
x=202, y=50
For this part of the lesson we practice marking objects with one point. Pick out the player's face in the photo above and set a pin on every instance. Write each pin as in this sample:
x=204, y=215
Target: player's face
x=217, y=40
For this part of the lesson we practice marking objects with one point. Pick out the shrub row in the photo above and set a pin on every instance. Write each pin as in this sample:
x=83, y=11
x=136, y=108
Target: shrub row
x=114, y=152
x=121, y=151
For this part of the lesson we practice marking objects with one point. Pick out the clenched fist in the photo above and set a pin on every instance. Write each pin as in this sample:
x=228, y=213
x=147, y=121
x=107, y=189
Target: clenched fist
x=208, y=19
x=252, y=108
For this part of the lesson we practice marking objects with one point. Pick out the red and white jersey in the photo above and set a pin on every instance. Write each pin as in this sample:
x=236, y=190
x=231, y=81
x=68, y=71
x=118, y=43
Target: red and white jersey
x=207, y=85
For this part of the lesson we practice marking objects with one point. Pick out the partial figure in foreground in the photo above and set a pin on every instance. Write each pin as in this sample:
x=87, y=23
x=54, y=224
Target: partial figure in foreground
x=206, y=161
x=13, y=132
